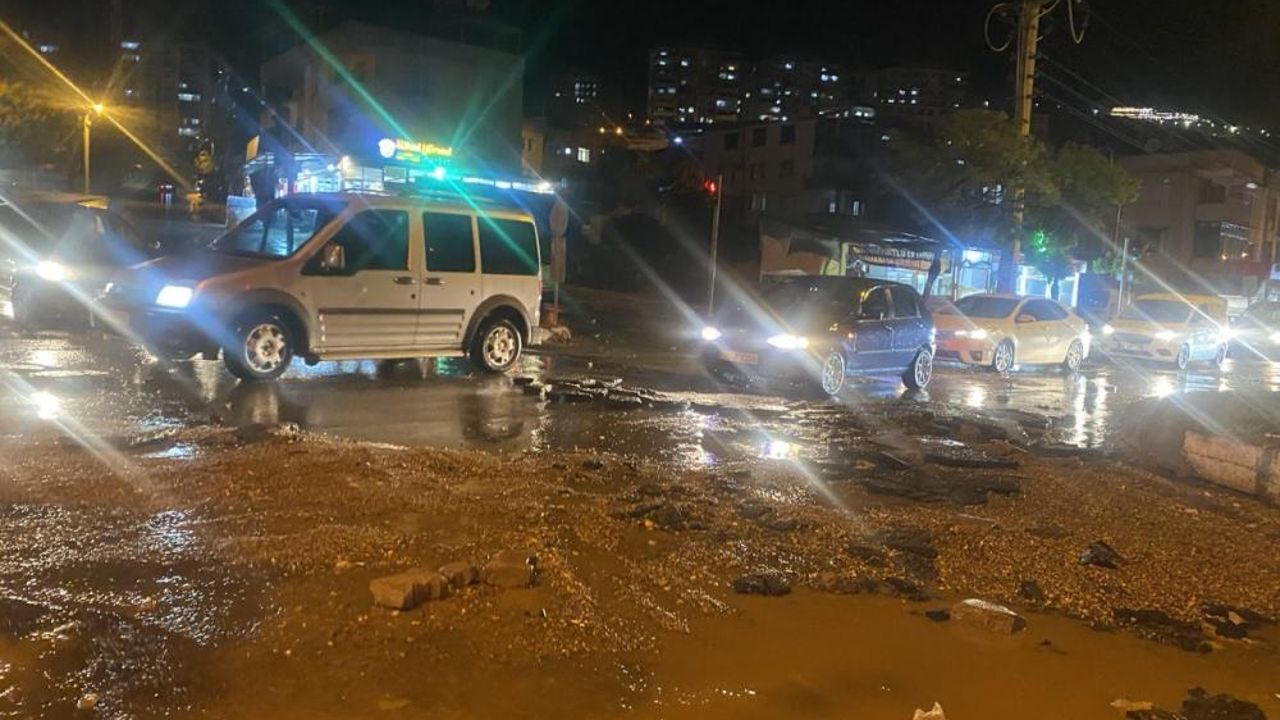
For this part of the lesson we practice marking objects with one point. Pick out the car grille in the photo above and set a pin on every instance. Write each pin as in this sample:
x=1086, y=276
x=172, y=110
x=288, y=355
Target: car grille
x=1131, y=339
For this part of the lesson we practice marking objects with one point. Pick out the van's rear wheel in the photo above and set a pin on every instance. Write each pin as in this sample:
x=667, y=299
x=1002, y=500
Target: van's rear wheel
x=261, y=347
x=497, y=346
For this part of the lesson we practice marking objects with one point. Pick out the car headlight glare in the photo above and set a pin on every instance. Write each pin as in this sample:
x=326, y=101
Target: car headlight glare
x=789, y=342
x=978, y=334
x=1108, y=330
x=52, y=271
x=711, y=334
x=1165, y=335
x=175, y=296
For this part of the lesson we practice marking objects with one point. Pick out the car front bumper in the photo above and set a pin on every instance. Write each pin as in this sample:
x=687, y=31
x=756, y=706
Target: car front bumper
x=965, y=350
x=756, y=363
x=1141, y=347
x=169, y=332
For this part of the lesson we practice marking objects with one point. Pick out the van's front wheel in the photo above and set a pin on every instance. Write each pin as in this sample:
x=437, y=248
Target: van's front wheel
x=261, y=347
x=496, y=347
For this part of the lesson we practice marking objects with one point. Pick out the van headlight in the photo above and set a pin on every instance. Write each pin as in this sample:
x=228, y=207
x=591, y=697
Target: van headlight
x=976, y=334
x=788, y=342
x=175, y=296
x=52, y=271
x=1108, y=330
x=1165, y=335
x=711, y=334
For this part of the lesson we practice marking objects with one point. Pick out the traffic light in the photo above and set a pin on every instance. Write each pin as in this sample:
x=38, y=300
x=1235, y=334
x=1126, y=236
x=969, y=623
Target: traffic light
x=709, y=185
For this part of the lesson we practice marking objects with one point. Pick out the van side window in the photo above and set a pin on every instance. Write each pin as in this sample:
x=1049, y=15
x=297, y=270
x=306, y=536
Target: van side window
x=375, y=240
x=450, y=242
x=507, y=247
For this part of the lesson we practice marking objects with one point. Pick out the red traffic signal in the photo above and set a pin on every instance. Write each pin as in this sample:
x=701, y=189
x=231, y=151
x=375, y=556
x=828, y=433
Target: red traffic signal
x=710, y=186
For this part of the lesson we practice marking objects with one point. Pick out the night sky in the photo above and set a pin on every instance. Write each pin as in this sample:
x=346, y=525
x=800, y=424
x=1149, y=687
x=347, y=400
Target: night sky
x=1221, y=59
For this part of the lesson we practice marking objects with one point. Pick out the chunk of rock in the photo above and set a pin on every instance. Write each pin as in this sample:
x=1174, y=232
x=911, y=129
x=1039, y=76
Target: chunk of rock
x=1158, y=626
x=88, y=701
x=938, y=615
x=770, y=584
x=1100, y=554
x=460, y=574
x=987, y=617
x=408, y=589
x=1030, y=591
x=934, y=713
x=1200, y=705
x=508, y=569
x=873, y=557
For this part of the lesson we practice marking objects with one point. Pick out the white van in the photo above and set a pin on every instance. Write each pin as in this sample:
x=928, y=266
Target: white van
x=344, y=276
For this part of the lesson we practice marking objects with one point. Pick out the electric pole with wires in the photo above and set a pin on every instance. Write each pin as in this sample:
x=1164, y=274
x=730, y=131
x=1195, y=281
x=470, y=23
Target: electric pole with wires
x=1027, y=29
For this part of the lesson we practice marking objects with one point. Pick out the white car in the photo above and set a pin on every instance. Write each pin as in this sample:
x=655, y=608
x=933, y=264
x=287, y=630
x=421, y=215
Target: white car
x=1170, y=328
x=1001, y=331
x=344, y=276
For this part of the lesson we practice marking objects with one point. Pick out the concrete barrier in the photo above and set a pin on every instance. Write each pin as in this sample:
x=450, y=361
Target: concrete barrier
x=1232, y=463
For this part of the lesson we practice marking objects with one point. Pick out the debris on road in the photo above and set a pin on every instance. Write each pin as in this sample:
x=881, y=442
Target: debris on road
x=766, y=583
x=980, y=615
x=508, y=569
x=1100, y=554
x=407, y=590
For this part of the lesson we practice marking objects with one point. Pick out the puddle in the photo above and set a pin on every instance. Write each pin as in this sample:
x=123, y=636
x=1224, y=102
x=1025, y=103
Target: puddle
x=874, y=662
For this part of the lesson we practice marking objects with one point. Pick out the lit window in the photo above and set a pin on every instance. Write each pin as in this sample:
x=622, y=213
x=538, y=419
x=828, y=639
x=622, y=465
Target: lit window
x=584, y=155
x=684, y=62
x=48, y=49
x=188, y=131
x=188, y=97
x=568, y=151
x=789, y=66
x=129, y=45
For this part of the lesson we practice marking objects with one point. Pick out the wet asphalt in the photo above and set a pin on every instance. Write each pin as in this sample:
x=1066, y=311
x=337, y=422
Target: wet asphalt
x=89, y=383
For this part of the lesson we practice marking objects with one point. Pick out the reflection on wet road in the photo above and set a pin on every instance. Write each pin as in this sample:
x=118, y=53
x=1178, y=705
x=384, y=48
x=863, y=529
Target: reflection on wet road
x=108, y=389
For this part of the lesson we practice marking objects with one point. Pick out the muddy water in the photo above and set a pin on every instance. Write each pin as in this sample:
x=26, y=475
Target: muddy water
x=874, y=658
x=873, y=664
x=110, y=389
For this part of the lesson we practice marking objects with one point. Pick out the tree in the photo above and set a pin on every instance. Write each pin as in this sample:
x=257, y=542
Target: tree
x=958, y=179
x=33, y=129
x=1090, y=188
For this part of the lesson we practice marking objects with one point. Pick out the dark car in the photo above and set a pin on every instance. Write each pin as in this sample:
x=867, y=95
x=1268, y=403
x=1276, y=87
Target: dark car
x=1256, y=335
x=57, y=256
x=822, y=330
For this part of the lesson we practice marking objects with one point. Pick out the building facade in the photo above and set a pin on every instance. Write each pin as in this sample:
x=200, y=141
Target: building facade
x=916, y=95
x=787, y=87
x=1208, y=220
x=695, y=86
x=380, y=94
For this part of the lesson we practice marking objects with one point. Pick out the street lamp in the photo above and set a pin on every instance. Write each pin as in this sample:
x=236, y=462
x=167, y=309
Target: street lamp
x=95, y=109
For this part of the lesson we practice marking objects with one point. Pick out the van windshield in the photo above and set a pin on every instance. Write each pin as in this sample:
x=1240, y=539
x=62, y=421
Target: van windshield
x=278, y=230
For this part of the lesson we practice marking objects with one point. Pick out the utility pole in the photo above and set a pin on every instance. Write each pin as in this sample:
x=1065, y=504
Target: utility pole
x=1027, y=32
x=715, y=242
x=1023, y=104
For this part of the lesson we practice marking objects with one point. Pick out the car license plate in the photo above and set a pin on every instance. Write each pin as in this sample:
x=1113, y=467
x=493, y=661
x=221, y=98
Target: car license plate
x=740, y=358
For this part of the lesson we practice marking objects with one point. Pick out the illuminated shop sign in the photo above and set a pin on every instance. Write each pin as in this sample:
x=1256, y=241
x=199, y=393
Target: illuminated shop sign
x=414, y=153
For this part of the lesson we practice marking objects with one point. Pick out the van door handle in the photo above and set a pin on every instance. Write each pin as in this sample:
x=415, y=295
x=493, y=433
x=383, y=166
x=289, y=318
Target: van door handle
x=435, y=281
x=403, y=280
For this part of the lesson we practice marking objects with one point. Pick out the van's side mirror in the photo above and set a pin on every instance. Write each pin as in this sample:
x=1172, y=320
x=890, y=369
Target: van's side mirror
x=1025, y=318
x=333, y=258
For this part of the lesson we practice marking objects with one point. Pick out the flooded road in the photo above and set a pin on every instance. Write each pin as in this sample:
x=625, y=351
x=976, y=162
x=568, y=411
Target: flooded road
x=112, y=390
x=200, y=573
